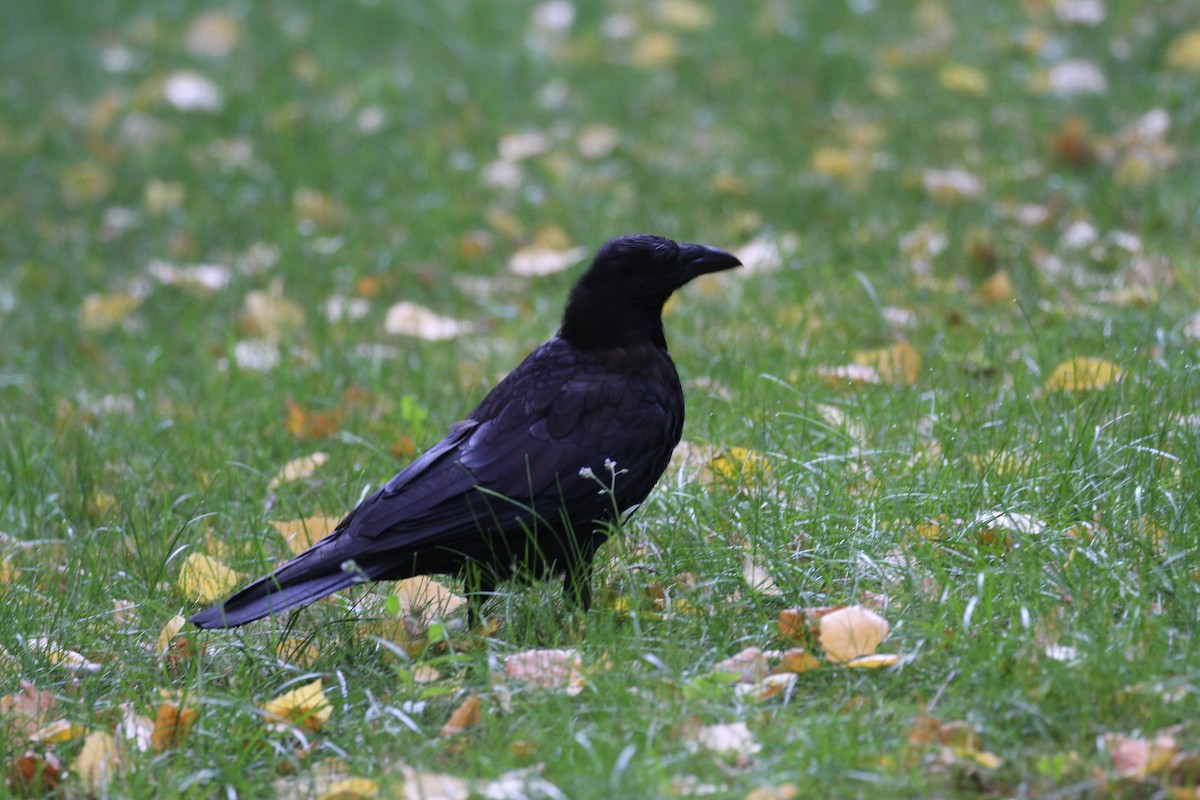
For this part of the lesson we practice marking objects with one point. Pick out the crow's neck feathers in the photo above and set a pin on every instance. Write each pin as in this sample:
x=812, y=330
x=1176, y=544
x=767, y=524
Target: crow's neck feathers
x=599, y=317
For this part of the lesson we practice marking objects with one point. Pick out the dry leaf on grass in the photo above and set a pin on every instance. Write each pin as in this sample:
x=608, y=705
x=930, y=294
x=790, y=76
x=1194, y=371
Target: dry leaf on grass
x=737, y=463
x=27, y=710
x=1137, y=758
x=102, y=312
x=557, y=670
x=468, y=714
x=305, y=706
x=169, y=632
x=301, y=534
x=98, y=761
x=1081, y=374
x=732, y=738
x=426, y=598
x=204, y=579
x=851, y=632
x=172, y=721
x=135, y=728
x=58, y=655
x=271, y=315
x=757, y=577
x=748, y=666
x=297, y=469
x=410, y=319
x=537, y=260
x=33, y=774
x=895, y=363
x=59, y=730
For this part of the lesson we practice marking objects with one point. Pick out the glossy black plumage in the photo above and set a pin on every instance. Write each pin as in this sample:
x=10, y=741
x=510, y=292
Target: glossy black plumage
x=522, y=485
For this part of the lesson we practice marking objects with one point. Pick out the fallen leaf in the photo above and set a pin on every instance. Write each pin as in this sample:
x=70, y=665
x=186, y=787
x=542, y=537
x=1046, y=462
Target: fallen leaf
x=301, y=534
x=169, y=632
x=1139, y=758
x=199, y=277
x=204, y=579
x=737, y=463
x=298, y=469
x=748, y=666
x=304, y=423
x=58, y=655
x=98, y=761
x=769, y=686
x=997, y=288
x=558, y=670
x=1183, y=54
x=758, y=578
x=102, y=312
x=1081, y=374
x=426, y=598
x=540, y=260
x=654, y=50
x=172, y=722
x=797, y=660
x=305, y=706
x=34, y=774
x=895, y=363
x=410, y=319
x=59, y=730
x=27, y=710
x=188, y=90
x=315, y=208
x=850, y=374
x=851, y=632
x=732, y=738
x=432, y=785
x=213, y=34
x=873, y=661
x=949, y=185
x=272, y=315
x=135, y=728
x=468, y=714
x=963, y=79
x=784, y=791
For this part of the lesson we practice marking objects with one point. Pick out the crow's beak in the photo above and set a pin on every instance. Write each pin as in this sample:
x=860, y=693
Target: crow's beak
x=703, y=260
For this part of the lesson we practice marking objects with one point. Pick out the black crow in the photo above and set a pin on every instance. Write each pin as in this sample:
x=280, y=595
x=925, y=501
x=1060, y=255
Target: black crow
x=530, y=483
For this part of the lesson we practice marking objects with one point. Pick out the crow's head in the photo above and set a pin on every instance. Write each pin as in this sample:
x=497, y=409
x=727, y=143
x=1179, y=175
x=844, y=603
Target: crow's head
x=621, y=295
x=644, y=268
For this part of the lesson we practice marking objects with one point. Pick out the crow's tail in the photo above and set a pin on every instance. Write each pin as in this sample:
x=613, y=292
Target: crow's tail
x=293, y=584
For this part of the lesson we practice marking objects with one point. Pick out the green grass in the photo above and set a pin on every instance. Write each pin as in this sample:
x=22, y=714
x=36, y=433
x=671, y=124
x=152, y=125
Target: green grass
x=123, y=450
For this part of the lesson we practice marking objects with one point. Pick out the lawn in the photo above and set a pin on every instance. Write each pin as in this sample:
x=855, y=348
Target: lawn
x=955, y=385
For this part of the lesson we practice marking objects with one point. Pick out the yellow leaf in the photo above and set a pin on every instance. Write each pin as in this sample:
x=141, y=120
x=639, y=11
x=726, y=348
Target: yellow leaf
x=687, y=15
x=1183, y=54
x=738, y=462
x=797, y=660
x=654, y=50
x=424, y=597
x=98, y=761
x=301, y=534
x=896, y=363
x=349, y=789
x=851, y=632
x=852, y=166
x=298, y=469
x=1081, y=374
x=60, y=730
x=85, y=183
x=998, y=288
x=172, y=722
x=102, y=312
x=873, y=661
x=169, y=632
x=305, y=706
x=466, y=715
x=963, y=79
x=271, y=315
x=205, y=579
x=784, y=791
